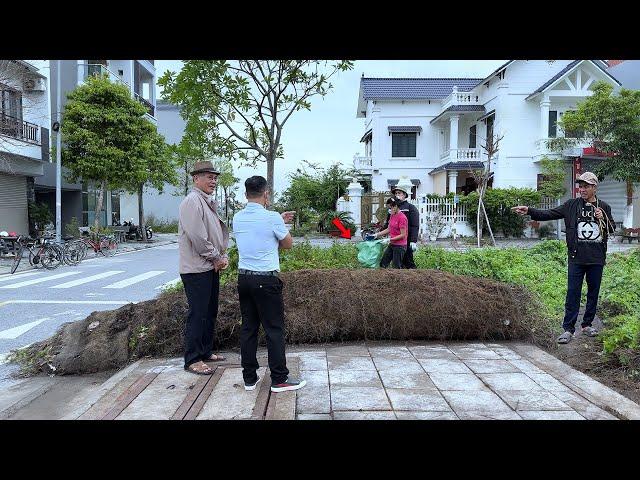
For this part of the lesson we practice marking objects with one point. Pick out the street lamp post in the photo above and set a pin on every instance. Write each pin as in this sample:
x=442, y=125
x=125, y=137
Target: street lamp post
x=58, y=159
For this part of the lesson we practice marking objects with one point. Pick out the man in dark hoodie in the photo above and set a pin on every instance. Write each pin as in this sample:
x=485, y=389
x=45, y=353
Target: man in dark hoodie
x=588, y=222
x=401, y=192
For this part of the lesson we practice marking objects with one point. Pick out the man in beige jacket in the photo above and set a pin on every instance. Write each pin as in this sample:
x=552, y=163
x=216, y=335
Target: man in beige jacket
x=202, y=240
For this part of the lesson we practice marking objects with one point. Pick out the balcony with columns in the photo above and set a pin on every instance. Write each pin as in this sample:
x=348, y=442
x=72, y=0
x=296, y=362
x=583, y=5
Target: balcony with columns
x=457, y=98
x=364, y=164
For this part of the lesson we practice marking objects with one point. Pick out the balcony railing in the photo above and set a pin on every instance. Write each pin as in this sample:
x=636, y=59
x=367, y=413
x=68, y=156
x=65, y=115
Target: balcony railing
x=146, y=103
x=461, y=154
x=461, y=98
x=363, y=163
x=16, y=128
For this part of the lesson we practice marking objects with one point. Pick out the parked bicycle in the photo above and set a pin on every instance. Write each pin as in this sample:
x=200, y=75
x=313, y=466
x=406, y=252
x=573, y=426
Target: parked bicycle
x=104, y=244
x=41, y=254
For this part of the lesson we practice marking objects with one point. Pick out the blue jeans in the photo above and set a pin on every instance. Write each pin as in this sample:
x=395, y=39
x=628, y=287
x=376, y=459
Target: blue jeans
x=576, y=274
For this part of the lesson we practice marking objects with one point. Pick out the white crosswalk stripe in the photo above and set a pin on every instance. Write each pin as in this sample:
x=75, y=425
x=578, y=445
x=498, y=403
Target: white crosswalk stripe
x=80, y=281
x=168, y=284
x=15, y=332
x=18, y=276
x=40, y=280
x=138, y=278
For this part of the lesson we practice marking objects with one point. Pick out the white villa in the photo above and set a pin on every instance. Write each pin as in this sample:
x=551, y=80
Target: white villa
x=432, y=129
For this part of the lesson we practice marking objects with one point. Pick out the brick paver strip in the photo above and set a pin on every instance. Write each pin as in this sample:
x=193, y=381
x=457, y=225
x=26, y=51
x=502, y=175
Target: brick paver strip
x=260, y=408
x=130, y=394
x=186, y=404
x=205, y=393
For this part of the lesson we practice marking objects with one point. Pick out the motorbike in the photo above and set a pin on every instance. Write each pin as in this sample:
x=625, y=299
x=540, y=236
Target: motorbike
x=135, y=231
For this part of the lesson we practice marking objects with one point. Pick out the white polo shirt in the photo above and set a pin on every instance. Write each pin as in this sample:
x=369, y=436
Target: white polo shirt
x=257, y=232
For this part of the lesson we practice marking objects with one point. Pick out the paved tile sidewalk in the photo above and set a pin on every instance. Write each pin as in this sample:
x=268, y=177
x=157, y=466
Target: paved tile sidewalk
x=363, y=381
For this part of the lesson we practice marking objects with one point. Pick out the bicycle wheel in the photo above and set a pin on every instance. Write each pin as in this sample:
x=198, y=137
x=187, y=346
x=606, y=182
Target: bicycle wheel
x=17, y=258
x=51, y=257
x=35, y=257
x=72, y=253
x=112, y=247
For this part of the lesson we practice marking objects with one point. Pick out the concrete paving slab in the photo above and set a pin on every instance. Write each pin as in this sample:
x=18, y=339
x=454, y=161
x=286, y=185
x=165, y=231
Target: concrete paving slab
x=22, y=393
x=172, y=385
x=315, y=378
x=315, y=362
x=399, y=365
x=550, y=415
x=532, y=400
x=488, y=415
x=391, y=352
x=313, y=400
x=470, y=353
x=593, y=391
x=350, y=363
x=358, y=350
x=504, y=351
x=443, y=365
x=478, y=402
x=282, y=405
x=526, y=366
x=359, y=398
x=354, y=378
x=548, y=382
x=491, y=366
x=426, y=415
x=363, y=415
x=417, y=400
x=457, y=381
x=314, y=416
x=585, y=408
x=432, y=352
x=395, y=379
x=229, y=400
x=509, y=381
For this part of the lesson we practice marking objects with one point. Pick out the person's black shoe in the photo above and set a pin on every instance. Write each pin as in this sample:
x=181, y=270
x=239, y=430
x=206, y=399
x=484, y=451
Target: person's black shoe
x=288, y=384
x=252, y=386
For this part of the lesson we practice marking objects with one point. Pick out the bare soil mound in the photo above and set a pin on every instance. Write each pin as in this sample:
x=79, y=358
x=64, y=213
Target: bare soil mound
x=320, y=306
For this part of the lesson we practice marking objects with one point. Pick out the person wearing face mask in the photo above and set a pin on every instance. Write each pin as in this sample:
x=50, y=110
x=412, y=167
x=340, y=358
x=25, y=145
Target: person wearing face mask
x=588, y=223
x=401, y=192
x=202, y=245
x=397, y=230
x=259, y=233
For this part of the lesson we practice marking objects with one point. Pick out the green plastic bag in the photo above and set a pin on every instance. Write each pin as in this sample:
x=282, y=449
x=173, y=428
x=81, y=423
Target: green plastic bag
x=370, y=253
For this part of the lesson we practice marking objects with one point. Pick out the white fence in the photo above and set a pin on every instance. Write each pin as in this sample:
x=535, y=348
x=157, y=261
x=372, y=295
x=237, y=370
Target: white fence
x=455, y=215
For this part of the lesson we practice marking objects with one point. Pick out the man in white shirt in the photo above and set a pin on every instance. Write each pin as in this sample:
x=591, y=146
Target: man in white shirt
x=258, y=234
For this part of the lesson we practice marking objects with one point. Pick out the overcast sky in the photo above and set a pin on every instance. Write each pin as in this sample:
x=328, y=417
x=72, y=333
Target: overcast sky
x=330, y=132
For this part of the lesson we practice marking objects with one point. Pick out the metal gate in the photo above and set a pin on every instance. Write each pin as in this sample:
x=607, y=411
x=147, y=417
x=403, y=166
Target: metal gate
x=372, y=207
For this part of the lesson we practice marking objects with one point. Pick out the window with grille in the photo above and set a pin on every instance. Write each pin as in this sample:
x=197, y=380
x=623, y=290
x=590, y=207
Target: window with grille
x=403, y=144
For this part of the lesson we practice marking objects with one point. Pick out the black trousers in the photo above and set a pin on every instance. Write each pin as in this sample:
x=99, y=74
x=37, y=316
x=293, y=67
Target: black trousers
x=261, y=303
x=408, y=261
x=202, y=290
x=575, y=276
x=394, y=254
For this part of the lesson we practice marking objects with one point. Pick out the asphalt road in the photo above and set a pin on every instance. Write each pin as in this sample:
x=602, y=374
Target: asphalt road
x=33, y=304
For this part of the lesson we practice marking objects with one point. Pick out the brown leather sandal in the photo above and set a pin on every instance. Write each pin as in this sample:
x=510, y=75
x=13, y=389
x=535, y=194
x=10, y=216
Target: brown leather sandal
x=199, y=368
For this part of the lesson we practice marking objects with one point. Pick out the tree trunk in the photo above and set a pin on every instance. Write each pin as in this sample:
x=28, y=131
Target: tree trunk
x=270, y=169
x=143, y=229
x=186, y=179
x=226, y=204
x=96, y=221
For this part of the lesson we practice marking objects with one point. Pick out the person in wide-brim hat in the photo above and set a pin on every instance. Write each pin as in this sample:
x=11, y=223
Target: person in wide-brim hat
x=204, y=167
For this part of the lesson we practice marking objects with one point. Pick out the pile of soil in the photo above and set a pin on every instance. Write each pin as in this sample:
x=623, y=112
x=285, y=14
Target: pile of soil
x=320, y=306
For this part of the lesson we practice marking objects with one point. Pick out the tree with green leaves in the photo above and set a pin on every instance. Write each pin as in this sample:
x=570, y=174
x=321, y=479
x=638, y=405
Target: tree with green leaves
x=106, y=136
x=184, y=155
x=226, y=180
x=553, y=172
x=315, y=192
x=239, y=109
x=154, y=168
x=611, y=123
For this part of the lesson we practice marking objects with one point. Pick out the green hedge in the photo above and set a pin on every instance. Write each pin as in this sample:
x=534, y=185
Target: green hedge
x=498, y=203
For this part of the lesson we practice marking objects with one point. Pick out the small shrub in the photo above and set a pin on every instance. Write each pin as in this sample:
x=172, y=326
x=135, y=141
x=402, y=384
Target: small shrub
x=72, y=229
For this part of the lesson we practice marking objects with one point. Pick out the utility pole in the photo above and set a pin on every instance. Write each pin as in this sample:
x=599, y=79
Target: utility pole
x=58, y=159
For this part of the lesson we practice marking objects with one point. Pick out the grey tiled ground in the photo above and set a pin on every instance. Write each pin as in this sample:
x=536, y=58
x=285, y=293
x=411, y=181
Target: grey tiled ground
x=437, y=381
